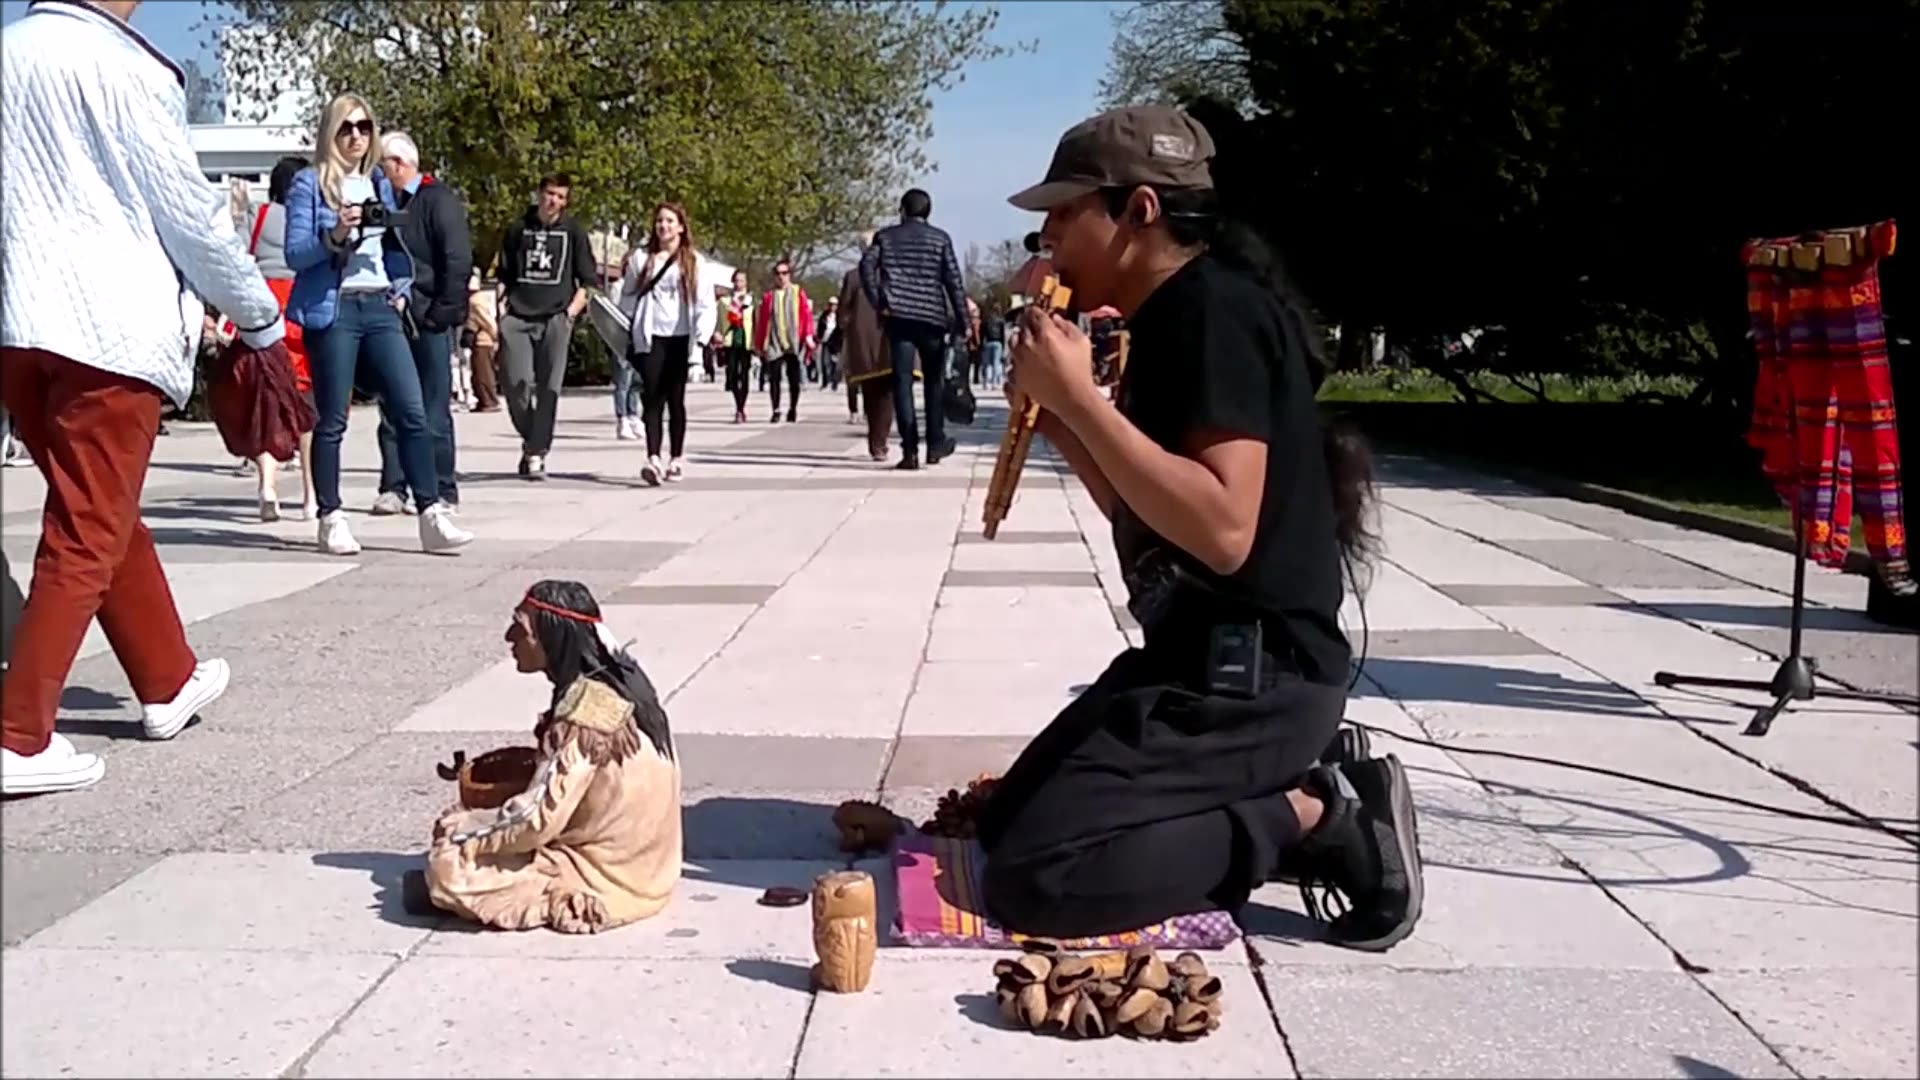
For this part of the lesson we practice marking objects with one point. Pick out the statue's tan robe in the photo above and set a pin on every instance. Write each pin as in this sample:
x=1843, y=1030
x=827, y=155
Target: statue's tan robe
x=593, y=843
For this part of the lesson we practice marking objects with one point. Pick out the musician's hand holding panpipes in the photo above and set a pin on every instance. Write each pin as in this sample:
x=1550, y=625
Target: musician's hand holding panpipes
x=1053, y=363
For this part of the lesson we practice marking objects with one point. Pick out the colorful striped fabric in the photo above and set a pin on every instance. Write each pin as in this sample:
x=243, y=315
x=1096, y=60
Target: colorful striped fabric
x=1823, y=413
x=938, y=882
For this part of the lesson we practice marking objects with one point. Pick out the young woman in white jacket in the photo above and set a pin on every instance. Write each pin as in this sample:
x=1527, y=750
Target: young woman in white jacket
x=666, y=293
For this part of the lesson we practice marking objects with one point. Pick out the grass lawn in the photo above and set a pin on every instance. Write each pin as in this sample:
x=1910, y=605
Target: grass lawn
x=1583, y=432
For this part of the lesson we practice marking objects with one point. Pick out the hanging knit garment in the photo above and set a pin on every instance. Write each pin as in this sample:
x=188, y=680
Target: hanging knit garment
x=1823, y=415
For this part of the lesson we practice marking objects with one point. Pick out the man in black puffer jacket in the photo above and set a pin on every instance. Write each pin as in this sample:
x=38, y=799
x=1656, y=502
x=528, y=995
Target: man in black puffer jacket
x=433, y=226
x=912, y=279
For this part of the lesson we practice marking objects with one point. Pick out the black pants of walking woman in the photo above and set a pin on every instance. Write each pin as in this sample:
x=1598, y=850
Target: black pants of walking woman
x=790, y=366
x=663, y=387
x=1145, y=799
x=739, y=371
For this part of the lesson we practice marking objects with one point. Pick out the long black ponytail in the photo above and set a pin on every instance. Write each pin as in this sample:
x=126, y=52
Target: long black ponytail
x=1193, y=218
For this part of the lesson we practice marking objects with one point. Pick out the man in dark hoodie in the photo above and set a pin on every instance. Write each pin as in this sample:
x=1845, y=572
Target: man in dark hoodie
x=546, y=267
x=434, y=230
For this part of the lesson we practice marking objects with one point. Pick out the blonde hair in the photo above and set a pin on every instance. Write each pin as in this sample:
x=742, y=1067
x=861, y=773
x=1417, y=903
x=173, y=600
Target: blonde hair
x=329, y=162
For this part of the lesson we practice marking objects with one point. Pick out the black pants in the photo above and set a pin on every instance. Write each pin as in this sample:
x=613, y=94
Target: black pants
x=663, y=386
x=904, y=338
x=790, y=365
x=1144, y=800
x=739, y=363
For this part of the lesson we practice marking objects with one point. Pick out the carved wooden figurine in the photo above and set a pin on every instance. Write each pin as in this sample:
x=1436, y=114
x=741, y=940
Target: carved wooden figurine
x=844, y=930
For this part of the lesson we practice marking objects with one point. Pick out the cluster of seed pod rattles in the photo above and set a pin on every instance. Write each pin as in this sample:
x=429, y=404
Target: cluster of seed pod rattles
x=1132, y=993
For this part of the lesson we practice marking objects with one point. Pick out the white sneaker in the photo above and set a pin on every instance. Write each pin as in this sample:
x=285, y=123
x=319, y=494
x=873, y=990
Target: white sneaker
x=389, y=504
x=167, y=719
x=651, y=472
x=438, y=533
x=676, y=470
x=625, y=429
x=335, y=537
x=269, y=509
x=57, y=768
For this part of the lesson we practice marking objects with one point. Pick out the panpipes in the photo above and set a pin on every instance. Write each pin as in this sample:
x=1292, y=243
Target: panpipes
x=1021, y=420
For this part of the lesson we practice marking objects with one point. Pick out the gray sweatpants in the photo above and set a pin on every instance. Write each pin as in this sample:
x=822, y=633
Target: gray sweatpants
x=533, y=365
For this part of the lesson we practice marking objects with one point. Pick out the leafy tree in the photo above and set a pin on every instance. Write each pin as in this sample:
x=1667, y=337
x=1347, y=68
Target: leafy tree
x=782, y=127
x=988, y=270
x=1172, y=50
x=1578, y=175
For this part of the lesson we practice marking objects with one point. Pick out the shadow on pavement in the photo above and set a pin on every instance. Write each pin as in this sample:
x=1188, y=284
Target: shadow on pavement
x=781, y=973
x=1484, y=684
x=386, y=869
x=1772, y=616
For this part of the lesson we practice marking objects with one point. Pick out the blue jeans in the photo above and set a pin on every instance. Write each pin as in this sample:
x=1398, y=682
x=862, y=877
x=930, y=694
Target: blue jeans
x=367, y=331
x=993, y=370
x=626, y=395
x=433, y=359
x=904, y=338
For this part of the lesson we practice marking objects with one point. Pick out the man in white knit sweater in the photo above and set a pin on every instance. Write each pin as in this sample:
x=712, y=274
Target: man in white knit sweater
x=97, y=171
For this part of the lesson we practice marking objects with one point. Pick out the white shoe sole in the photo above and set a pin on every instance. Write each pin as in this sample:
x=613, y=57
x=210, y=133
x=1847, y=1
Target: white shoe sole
x=181, y=711
x=45, y=783
x=445, y=547
x=650, y=474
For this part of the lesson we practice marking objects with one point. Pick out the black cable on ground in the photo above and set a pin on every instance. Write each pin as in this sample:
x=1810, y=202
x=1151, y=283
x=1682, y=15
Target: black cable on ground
x=1876, y=825
x=1881, y=825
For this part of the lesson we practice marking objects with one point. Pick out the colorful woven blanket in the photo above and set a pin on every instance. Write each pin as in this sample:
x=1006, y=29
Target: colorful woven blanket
x=939, y=888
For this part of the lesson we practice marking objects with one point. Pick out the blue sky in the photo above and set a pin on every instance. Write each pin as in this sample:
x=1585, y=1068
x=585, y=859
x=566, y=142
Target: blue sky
x=992, y=135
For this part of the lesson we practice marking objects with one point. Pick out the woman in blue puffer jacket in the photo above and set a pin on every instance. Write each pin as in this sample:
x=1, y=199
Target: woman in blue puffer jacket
x=350, y=289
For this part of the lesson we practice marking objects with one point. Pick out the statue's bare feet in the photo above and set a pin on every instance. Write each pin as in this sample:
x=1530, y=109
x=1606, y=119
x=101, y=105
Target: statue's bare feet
x=575, y=912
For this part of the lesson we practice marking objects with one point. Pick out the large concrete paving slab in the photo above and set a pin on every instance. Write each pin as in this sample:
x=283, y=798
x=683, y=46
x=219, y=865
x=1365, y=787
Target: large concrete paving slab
x=1855, y=1023
x=1511, y=1022
x=146, y=1012
x=572, y=1018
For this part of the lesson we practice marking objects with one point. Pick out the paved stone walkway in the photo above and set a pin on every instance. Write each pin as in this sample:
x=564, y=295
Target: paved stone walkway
x=227, y=904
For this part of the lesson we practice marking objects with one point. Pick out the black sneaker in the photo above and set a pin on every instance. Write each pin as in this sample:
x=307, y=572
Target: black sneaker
x=944, y=450
x=1365, y=856
x=793, y=416
x=1350, y=746
x=909, y=463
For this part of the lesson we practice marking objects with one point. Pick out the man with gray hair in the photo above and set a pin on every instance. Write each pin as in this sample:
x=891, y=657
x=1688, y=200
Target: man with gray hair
x=433, y=229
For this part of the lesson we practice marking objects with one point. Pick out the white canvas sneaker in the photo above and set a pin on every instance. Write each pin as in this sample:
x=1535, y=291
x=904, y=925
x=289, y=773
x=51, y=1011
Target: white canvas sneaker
x=335, y=537
x=651, y=472
x=57, y=768
x=676, y=469
x=438, y=533
x=169, y=718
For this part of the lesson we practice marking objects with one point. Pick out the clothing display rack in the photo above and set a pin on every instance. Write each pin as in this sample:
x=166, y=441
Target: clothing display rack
x=1796, y=679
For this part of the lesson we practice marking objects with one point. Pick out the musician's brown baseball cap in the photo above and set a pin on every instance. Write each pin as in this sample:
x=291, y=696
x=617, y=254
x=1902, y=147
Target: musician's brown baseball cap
x=1144, y=144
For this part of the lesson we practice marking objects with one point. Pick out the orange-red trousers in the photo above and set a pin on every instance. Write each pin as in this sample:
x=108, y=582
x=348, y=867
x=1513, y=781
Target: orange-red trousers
x=91, y=434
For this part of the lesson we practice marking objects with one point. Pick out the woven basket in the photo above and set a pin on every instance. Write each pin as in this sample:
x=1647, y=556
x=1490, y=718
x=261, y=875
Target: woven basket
x=488, y=781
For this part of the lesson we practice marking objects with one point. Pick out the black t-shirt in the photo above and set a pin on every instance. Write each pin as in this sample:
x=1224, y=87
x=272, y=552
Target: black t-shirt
x=1213, y=348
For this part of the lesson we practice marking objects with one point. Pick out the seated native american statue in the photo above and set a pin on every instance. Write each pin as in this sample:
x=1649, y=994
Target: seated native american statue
x=594, y=841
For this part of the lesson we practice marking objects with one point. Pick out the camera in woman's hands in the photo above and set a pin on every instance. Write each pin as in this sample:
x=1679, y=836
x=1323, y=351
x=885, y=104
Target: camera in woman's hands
x=373, y=214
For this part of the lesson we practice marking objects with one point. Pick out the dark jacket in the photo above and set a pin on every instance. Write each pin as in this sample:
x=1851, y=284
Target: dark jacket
x=909, y=273
x=435, y=231
x=542, y=266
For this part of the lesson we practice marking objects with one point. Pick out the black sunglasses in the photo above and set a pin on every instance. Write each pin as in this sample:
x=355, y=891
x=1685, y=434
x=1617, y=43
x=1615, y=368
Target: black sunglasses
x=348, y=127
